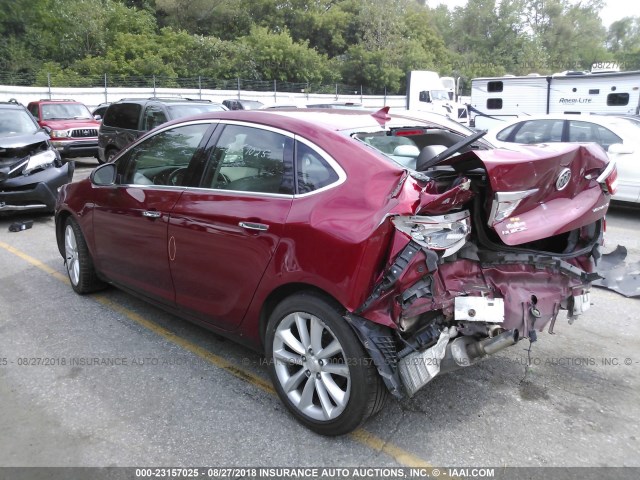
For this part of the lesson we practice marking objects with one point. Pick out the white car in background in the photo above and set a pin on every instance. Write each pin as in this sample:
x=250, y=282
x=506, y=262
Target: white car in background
x=620, y=137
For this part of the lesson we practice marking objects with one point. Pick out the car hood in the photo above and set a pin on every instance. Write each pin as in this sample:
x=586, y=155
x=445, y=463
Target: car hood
x=70, y=123
x=20, y=141
x=560, y=181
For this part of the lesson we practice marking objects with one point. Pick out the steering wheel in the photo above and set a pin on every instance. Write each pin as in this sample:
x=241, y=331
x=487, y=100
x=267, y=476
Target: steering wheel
x=222, y=181
x=176, y=178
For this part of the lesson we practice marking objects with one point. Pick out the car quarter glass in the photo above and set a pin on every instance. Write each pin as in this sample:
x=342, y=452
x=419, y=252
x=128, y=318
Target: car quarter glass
x=313, y=172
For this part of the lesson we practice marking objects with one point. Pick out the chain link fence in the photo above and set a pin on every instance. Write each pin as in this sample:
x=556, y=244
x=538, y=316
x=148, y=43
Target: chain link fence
x=107, y=81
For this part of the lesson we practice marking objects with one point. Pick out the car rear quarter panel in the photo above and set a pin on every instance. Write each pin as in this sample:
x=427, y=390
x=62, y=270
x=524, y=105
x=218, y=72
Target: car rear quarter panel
x=339, y=240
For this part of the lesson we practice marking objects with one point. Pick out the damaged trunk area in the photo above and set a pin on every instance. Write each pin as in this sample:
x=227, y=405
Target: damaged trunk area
x=466, y=282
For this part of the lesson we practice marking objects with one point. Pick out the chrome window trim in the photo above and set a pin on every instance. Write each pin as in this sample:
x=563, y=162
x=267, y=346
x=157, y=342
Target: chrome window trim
x=335, y=166
x=144, y=137
x=258, y=126
x=144, y=187
x=221, y=191
x=342, y=176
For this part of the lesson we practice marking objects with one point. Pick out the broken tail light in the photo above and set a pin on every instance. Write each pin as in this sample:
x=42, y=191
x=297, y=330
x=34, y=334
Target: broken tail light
x=505, y=203
x=445, y=233
x=608, y=179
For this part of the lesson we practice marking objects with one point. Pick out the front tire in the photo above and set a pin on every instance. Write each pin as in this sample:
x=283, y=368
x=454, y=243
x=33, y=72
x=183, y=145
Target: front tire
x=319, y=367
x=78, y=261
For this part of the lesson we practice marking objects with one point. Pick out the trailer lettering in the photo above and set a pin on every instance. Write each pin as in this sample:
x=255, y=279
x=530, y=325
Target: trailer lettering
x=573, y=101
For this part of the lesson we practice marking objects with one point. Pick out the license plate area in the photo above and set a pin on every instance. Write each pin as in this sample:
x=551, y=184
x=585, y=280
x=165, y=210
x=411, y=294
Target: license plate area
x=579, y=304
x=479, y=309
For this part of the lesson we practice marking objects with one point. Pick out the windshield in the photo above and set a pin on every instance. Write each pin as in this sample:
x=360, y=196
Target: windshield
x=15, y=122
x=439, y=95
x=179, y=111
x=65, y=111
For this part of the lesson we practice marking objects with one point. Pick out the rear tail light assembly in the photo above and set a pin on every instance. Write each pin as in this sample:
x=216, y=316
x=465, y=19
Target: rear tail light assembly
x=505, y=203
x=608, y=179
x=443, y=233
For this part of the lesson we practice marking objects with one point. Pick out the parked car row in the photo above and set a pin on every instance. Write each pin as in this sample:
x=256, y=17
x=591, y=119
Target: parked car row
x=70, y=124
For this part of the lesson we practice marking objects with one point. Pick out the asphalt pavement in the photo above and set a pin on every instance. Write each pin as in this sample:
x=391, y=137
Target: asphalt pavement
x=108, y=380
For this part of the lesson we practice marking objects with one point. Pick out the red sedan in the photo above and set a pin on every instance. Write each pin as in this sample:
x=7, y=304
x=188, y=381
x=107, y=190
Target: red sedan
x=363, y=253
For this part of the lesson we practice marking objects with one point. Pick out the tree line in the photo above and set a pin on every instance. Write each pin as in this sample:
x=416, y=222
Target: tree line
x=372, y=43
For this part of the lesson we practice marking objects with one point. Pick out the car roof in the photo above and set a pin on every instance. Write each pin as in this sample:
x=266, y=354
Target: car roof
x=168, y=100
x=11, y=106
x=44, y=100
x=298, y=120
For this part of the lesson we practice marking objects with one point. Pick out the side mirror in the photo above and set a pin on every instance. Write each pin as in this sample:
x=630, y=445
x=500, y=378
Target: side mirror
x=104, y=175
x=424, y=96
x=97, y=117
x=619, y=148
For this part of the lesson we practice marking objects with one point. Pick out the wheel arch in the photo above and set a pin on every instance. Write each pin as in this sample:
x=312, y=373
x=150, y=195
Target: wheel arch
x=284, y=291
x=61, y=220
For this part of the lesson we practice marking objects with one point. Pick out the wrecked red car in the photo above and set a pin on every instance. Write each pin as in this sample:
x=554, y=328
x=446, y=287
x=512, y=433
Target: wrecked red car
x=363, y=253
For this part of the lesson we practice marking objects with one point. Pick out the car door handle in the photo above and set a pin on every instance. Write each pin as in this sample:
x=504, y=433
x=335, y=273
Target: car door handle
x=151, y=214
x=254, y=226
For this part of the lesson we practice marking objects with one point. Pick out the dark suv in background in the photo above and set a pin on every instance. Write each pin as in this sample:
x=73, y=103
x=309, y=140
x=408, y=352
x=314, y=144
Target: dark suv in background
x=72, y=128
x=127, y=119
x=31, y=170
x=242, y=104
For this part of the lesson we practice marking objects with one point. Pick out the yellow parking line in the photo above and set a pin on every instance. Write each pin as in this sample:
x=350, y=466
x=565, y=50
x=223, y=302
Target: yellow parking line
x=187, y=345
x=34, y=262
x=363, y=437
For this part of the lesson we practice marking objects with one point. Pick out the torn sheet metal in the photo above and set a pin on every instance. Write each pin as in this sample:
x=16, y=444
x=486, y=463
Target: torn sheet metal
x=617, y=275
x=419, y=368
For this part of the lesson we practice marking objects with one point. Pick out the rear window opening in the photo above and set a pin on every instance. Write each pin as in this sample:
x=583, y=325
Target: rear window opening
x=405, y=145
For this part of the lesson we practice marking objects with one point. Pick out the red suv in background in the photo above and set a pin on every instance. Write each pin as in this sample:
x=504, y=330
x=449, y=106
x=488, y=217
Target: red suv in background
x=73, y=130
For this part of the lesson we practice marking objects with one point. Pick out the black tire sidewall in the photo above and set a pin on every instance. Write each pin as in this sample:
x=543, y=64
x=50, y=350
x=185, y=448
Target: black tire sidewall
x=87, y=279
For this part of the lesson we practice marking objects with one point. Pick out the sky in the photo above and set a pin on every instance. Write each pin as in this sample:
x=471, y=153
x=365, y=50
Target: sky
x=613, y=10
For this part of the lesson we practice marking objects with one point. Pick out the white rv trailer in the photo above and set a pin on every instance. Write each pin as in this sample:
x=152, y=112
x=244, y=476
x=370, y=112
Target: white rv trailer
x=497, y=99
x=426, y=92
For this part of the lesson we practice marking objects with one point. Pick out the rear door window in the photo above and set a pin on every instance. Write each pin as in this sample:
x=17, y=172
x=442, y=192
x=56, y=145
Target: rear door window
x=591, y=132
x=249, y=159
x=581, y=131
x=539, y=131
x=153, y=116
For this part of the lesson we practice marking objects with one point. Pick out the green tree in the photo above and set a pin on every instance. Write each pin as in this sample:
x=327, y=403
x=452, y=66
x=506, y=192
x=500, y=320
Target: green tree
x=571, y=34
x=276, y=56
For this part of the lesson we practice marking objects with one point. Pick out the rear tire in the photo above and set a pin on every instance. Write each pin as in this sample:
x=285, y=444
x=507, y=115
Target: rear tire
x=319, y=368
x=78, y=261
